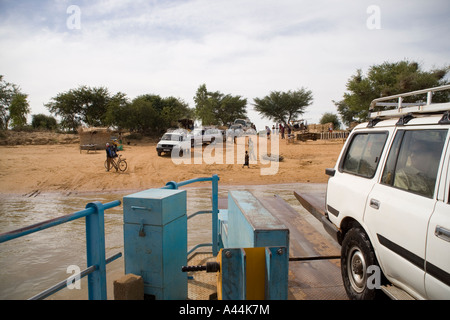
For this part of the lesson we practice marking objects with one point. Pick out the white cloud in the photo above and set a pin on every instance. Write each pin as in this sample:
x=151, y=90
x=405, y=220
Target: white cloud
x=246, y=48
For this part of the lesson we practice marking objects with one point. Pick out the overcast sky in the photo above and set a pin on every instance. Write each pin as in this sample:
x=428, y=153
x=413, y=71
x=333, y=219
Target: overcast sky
x=238, y=47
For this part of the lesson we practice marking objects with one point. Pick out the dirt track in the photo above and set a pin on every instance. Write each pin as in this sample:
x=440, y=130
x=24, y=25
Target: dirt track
x=34, y=169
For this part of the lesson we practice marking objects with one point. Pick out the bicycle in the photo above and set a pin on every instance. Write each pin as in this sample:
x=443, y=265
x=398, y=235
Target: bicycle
x=120, y=165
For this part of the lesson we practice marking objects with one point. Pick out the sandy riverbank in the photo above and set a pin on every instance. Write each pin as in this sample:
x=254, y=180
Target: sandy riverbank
x=34, y=169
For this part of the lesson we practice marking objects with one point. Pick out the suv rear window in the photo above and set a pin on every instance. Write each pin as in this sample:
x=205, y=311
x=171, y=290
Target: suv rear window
x=413, y=161
x=363, y=154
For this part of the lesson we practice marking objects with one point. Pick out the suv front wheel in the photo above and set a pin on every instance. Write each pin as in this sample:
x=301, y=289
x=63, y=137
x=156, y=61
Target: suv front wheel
x=356, y=256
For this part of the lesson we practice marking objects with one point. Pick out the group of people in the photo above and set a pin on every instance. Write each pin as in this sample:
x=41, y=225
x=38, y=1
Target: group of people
x=279, y=128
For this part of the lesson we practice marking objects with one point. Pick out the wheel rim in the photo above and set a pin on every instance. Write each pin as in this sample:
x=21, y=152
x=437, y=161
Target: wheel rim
x=356, y=269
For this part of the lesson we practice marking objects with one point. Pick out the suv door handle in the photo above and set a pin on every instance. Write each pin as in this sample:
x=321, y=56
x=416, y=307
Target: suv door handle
x=375, y=204
x=442, y=233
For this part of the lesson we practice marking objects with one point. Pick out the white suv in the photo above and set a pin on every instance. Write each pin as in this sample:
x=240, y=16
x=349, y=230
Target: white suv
x=202, y=136
x=175, y=142
x=388, y=201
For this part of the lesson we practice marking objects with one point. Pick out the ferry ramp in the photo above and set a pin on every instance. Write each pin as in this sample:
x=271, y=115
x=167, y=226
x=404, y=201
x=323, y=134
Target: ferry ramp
x=314, y=257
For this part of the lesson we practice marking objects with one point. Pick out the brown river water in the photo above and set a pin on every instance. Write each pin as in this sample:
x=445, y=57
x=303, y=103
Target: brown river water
x=33, y=263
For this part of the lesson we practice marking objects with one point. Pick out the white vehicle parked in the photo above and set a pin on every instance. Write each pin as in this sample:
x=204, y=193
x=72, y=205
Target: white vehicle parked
x=237, y=130
x=203, y=136
x=388, y=201
x=175, y=141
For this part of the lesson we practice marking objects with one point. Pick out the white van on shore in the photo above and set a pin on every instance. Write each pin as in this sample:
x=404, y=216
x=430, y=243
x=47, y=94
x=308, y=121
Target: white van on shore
x=175, y=141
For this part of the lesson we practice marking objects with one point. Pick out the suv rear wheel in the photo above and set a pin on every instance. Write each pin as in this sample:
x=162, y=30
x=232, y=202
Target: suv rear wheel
x=356, y=256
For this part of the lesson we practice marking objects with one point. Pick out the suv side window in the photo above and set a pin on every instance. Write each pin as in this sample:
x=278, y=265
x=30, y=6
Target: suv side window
x=413, y=161
x=363, y=154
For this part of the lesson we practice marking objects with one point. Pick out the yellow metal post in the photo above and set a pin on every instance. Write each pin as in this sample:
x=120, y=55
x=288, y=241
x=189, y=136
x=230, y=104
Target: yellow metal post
x=253, y=265
x=256, y=269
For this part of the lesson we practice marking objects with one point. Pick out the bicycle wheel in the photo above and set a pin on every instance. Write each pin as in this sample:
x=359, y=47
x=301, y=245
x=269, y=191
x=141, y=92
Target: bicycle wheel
x=123, y=165
x=112, y=166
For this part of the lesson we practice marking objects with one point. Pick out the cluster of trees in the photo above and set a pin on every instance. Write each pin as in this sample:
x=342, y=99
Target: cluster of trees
x=97, y=107
x=282, y=107
x=14, y=105
x=147, y=114
x=385, y=80
x=380, y=81
x=215, y=108
x=152, y=114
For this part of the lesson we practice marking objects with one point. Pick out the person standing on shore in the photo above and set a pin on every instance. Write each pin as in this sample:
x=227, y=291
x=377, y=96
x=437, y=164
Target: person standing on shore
x=109, y=156
x=246, y=162
x=268, y=132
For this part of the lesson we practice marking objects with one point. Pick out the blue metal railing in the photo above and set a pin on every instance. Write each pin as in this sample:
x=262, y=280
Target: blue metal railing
x=95, y=238
x=95, y=245
x=215, y=210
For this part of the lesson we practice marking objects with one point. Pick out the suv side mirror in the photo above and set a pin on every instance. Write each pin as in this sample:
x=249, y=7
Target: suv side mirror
x=330, y=172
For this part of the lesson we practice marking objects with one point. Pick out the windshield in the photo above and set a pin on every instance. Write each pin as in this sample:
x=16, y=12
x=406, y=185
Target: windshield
x=197, y=132
x=171, y=137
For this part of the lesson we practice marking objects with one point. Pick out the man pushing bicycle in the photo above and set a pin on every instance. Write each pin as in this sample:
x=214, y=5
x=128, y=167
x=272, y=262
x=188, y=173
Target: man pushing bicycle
x=110, y=155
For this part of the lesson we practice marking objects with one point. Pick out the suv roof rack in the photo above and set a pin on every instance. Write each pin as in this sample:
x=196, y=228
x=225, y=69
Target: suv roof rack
x=409, y=108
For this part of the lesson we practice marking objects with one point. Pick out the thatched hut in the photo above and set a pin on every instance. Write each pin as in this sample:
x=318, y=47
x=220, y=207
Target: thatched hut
x=94, y=138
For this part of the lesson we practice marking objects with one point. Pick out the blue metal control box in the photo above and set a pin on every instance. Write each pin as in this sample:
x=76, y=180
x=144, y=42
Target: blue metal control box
x=155, y=241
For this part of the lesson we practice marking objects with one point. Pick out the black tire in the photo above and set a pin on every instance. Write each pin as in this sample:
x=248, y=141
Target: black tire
x=123, y=166
x=357, y=255
x=112, y=165
x=106, y=165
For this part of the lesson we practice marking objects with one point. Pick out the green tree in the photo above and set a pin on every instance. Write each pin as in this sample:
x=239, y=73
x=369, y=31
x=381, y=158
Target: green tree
x=204, y=106
x=94, y=102
x=146, y=114
x=42, y=121
x=284, y=107
x=173, y=110
x=231, y=108
x=118, y=113
x=328, y=117
x=216, y=108
x=384, y=80
x=18, y=110
x=84, y=105
x=65, y=106
x=13, y=105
